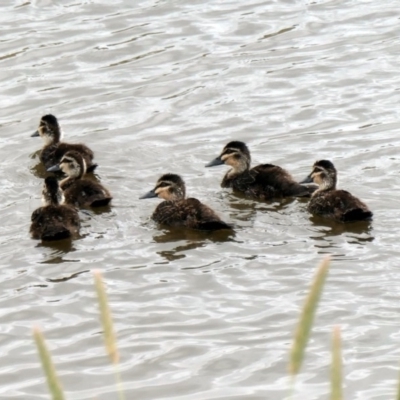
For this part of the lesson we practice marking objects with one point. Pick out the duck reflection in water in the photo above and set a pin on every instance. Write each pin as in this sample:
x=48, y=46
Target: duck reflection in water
x=189, y=239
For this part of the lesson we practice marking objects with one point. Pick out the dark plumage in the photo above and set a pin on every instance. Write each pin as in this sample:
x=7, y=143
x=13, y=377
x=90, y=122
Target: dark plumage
x=53, y=149
x=263, y=182
x=177, y=211
x=54, y=221
x=78, y=191
x=330, y=202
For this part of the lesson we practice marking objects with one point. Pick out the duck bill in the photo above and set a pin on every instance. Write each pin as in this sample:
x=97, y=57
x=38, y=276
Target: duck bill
x=216, y=161
x=36, y=134
x=307, y=180
x=149, y=195
x=54, y=168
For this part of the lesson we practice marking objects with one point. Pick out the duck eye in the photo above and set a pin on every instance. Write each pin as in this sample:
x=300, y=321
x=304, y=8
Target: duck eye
x=162, y=184
x=228, y=151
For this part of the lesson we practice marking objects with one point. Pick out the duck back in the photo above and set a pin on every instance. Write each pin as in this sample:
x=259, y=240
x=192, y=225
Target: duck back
x=85, y=193
x=339, y=205
x=51, y=223
x=265, y=182
x=189, y=213
x=53, y=153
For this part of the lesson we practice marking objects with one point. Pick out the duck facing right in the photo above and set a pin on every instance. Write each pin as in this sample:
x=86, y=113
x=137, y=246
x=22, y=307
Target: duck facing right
x=329, y=202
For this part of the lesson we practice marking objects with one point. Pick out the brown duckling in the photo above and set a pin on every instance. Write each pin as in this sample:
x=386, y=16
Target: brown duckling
x=263, y=182
x=77, y=190
x=54, y=221
x=53, y=150
x=178, y=211
x=330, y=202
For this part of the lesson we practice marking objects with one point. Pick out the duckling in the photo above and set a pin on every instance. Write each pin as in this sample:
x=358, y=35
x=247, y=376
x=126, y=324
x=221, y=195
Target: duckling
x=54, y=149
x=263, y=182
x=330, y=202
x=54, y=221
x=78, y=191
x=178, y=211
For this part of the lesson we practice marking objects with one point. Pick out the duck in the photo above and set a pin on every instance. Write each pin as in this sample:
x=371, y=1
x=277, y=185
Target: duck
x=332, y=203
x=53, y=150
x=178, y=211
x=263, y=182
x=79, y=191
x=54, y=221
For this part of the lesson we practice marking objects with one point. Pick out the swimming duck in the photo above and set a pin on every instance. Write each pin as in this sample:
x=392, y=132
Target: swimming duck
x=78, y=191
x=178, y=211
x=54, y=221
x=54, y=149
x=263, y=182
x=330, y=202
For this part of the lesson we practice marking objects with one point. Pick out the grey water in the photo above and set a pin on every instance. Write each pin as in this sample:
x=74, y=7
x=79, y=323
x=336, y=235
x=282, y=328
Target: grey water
x=158, y=86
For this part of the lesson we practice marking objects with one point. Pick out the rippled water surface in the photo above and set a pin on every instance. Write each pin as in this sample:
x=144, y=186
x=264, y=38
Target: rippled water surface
x=161, y=86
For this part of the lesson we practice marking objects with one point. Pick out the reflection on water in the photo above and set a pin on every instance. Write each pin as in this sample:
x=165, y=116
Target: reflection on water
x=191, y=238
x=67, y=278
x=363, y=229
x=58, y=249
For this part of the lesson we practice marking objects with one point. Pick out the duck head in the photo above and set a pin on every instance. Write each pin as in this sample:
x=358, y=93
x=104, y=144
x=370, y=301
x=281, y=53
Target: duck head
x=49, y=129
x=72, y=164
x=235, y=154
x=169, y=187
x=324, y=174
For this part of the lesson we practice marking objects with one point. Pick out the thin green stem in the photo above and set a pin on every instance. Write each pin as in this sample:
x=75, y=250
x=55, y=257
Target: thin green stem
x=48, y=366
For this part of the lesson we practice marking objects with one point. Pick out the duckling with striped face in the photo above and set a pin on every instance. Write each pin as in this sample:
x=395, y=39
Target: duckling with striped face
x=330, y=202
x=53, y=150
x=263, y=182
x=178, y=211
x=54, y=221
x=77, y=190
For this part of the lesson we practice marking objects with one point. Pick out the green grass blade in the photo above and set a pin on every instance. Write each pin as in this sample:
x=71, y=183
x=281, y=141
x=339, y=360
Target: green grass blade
x=336, y=369
x=398, y=390
x=108, y=329
x=106, y=319
x=48, y=366
x=306, y=319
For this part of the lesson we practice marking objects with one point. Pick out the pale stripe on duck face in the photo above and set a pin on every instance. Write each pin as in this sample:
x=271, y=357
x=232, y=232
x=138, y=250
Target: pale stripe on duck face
x=324, y=175
x=169, y=190
x=235, y=158
x=73, y=167
x=235, y=154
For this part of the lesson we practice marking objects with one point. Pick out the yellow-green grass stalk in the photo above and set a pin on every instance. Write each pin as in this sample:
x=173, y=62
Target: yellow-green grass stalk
x=48, y=366
x=336, y=368
x=306, y=319
x=398, y=390
x=110, y=339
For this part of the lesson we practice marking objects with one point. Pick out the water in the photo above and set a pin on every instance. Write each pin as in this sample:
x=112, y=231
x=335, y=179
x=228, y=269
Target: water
x=155, y=87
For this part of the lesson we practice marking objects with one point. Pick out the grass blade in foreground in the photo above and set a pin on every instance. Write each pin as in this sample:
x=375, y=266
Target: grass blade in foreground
x=47, y=364
x=108, y=328
x=398, y=390
x=306, y=319
x=106, y=319
x=336, y=369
